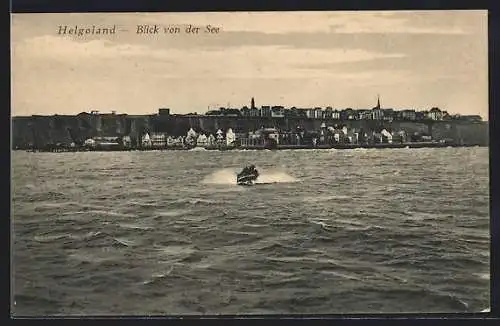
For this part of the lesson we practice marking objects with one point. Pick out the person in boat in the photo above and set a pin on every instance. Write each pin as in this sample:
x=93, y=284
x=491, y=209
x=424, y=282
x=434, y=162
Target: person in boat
x=250, y=170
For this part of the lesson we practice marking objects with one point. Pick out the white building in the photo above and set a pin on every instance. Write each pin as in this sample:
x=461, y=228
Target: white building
x=254, y=112
x=127, y=141
x=265, y=111
x=230, y=137
x=158, y=140
x=277, y=112
x=220, y=136
x=275, y=136
x=191, y=133
x=146, y=141
x=318, y=113
x=310, y=113
x=387, y=134
x=336, y=114
x=171, y=141
x=211, y=140
x=408, y=114
x=202, y=141
x=89, y=142
x=191, y=137
x=365, y=114
x=435, y=114
x=377, y=114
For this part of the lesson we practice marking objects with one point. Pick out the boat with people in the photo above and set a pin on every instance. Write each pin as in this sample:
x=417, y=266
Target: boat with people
x=247, y=176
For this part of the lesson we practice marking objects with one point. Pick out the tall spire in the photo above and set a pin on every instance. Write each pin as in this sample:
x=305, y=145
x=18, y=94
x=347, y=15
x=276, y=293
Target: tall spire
x=378, y=101
x=252, y=103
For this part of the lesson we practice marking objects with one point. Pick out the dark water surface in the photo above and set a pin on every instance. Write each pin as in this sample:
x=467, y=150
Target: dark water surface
x=326, y=231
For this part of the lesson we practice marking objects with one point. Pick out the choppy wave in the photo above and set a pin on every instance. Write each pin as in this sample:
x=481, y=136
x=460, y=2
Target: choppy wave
x=275, y=177
x=125, y=242
x=324, y=198
x=50, y=237
x=158, y=275
x=194, y=201
x=135, y=226
x=173, y=212
x=483, y=276
x=332, y=232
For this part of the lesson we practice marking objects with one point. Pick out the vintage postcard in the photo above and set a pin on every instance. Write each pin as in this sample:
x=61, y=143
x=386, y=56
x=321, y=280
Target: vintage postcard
x=242, y=163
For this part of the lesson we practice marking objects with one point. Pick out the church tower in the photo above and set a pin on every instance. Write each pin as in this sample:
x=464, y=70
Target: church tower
x=252, y=104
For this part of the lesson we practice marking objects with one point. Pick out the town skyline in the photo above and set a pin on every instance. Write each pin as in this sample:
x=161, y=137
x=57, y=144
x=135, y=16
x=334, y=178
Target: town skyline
x=248, y=105
x=415, y=60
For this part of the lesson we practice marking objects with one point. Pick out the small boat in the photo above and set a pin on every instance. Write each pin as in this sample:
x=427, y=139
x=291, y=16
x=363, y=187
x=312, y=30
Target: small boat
x=247, y=176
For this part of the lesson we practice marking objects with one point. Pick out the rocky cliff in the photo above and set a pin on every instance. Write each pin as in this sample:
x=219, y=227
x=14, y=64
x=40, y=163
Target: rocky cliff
x=42, y=130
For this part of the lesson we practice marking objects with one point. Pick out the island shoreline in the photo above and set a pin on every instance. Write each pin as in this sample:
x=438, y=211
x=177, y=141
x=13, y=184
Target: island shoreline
x=414, y=145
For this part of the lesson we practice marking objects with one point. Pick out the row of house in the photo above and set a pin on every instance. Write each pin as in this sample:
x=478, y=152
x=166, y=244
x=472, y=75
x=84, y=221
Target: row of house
x=330, y=113
x=162, y=140
x=263, y=136
x=327, y=135
x=376, y=113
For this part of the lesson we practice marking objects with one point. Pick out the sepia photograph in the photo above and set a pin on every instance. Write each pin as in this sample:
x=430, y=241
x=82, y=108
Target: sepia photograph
x=249, y=163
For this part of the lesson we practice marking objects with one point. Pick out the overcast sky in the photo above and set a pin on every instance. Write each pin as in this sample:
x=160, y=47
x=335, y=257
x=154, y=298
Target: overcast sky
x=304, y=59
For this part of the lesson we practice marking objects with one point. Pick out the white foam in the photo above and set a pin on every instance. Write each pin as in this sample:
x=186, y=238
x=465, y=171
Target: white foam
x=158, y=275
x=124, y=241
x=275, y=177
x=483, y=276
x=222, y=177
x=49, y=238
x=321, y=224
x=228, y=177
